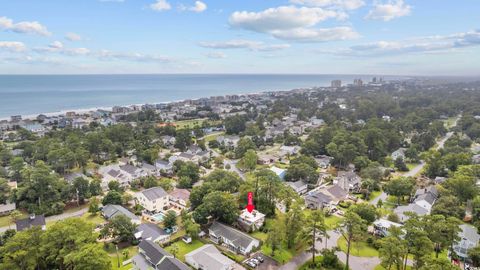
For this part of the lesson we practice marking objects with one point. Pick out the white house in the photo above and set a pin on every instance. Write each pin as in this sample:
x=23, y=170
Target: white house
x=232, y=239
x=153, y=199
x=279, y=172
x=383, y=225
x=208, y=257
x=251, y=221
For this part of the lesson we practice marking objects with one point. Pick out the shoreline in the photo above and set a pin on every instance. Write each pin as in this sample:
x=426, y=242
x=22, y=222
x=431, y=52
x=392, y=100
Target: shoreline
x=109, y=108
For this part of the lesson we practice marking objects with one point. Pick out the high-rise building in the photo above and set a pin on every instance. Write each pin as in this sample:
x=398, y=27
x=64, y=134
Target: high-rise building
x=336, y=83
x=358, y=82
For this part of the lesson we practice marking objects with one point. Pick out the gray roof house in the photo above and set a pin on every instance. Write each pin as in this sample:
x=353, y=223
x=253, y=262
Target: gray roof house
x=112, y=210
x=468, y=239
x=413, y=208
x=6, y=208
x=233, y=239
x=299, y=186
x=347, y=180
x=208, y=257
x=31, y=221
x=317, y=200
x=150, y=231
x=153, y=199
x=152, y=256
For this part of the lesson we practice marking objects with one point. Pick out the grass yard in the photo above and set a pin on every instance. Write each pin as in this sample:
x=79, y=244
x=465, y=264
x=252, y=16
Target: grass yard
x=213, y=136
x=410, y=166
x=359, y=249
x=95, y=219
x=374, y=195
x=132, y=251
x=190, y=123
x=332, y=222
x=281, y=255
x=184, y=248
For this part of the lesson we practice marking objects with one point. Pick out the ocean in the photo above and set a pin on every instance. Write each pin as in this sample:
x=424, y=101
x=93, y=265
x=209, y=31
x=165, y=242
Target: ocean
x=29, y=95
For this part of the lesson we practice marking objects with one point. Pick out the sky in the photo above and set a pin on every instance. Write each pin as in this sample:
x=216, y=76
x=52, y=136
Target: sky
x=391, y=37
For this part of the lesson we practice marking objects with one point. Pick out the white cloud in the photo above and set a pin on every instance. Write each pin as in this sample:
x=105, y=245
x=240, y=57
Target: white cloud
x=317, y=35
x=216, y=55
x=389, y=10
x=294, y=23
x=58, y=47
x=161, y=5
x=244, y=44
x=23, y=27
x=282, y=18
x=343, y=4
x=432, y=44
x=73, y=36
x=12, y=46
x=138, y=57
x=199, y=7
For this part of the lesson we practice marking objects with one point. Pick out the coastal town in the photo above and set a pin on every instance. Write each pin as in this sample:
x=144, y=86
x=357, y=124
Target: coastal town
x=374, y=175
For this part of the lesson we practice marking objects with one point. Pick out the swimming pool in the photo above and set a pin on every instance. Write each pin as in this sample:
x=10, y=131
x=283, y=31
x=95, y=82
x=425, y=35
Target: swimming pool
x=158, y=217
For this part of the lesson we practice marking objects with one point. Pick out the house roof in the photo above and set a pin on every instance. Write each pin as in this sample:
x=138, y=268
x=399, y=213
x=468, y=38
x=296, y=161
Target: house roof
x=112, y=210
x=180, y=193
x=319, y=198
x=428, y=197
x=7, y=206
x=337, y=192
x=277, y=170
x=160, y=257
x=235, y=236
x=186, y=155
x=209, y=257
x=27, y=223
x=154, y=193
x=414, y=208
x=129, y=169
x=149, y=231
x=430, y=189
x=297, y=185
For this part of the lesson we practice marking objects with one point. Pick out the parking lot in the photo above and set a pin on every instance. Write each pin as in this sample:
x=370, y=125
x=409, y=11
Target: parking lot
x=267, y=264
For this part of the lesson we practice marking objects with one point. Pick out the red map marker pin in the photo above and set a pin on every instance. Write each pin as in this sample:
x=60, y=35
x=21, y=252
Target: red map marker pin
x=250, y=205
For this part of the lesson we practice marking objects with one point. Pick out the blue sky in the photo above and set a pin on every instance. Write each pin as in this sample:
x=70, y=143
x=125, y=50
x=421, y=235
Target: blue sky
x=404, y=37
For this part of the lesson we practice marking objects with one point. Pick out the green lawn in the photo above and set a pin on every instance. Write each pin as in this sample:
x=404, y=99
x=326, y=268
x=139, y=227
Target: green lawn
x=132, y=251
x=212, y=136
x=332, y=221
x=410, y=166
x=190, y=123
x=374, y=195
x=359, y=249
x=95, y=219
x=184, y=248
x=281, y=255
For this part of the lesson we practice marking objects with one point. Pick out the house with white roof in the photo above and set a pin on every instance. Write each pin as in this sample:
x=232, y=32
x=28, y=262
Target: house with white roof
x=382, y=226
x=251, y=221
x=279, y=172
x=154, y=199
x=208, y=257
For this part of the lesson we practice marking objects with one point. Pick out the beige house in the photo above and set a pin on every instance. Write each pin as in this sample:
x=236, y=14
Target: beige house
x=153, y=199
